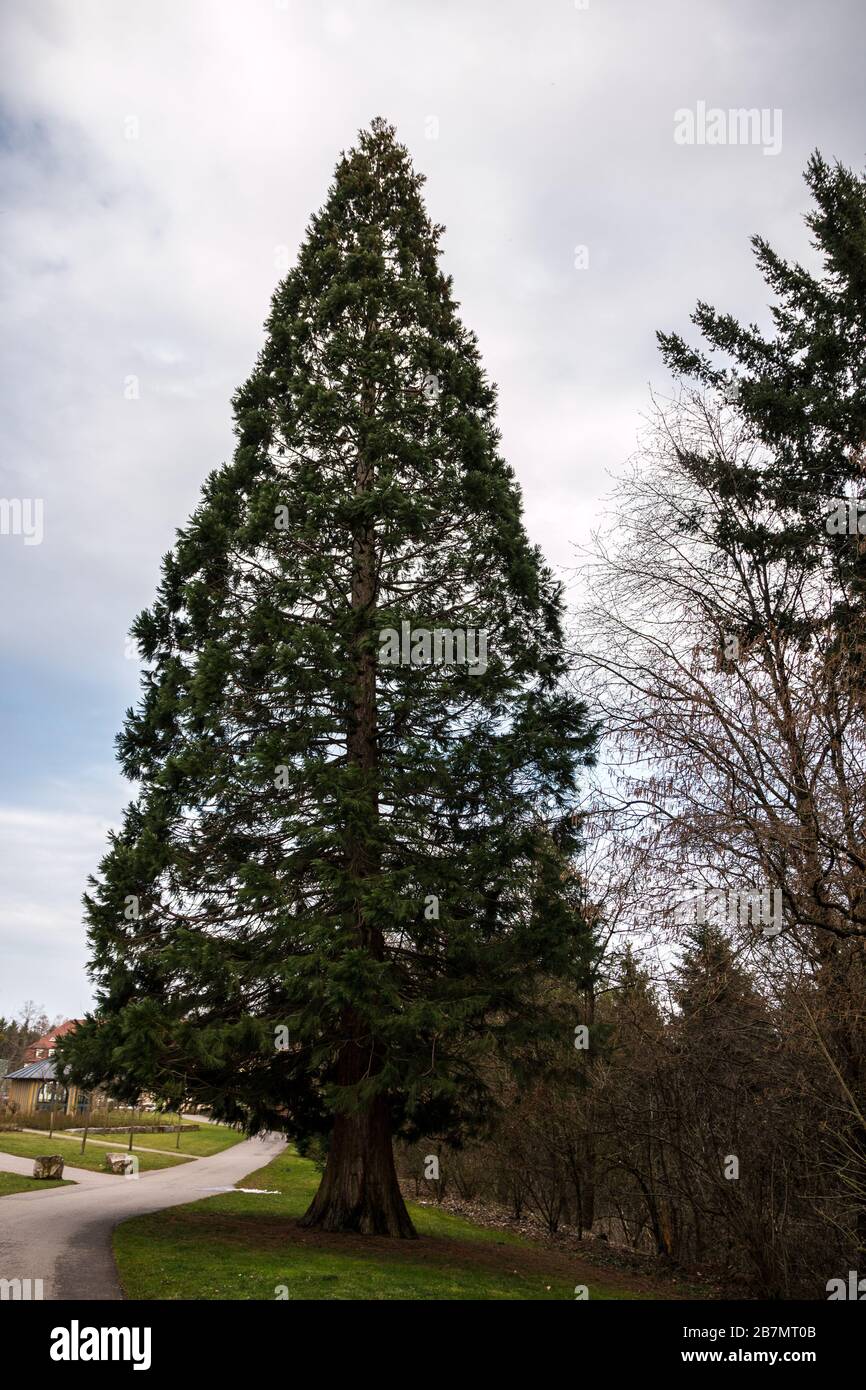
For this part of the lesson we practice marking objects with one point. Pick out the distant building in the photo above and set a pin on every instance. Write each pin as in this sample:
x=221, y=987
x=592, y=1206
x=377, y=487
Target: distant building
x=35, y=1085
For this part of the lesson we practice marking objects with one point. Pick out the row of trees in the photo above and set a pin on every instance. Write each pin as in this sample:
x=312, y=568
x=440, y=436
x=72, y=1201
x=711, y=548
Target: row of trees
x=705, y=1125
x=721, y=632
x=393, y=868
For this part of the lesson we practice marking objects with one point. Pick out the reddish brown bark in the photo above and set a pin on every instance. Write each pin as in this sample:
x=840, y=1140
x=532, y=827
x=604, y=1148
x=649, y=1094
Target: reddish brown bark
x=359, y=1190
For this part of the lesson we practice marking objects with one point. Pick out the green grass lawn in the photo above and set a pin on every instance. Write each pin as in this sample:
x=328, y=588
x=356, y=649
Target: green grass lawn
x=12, y=1182
x=246, y=1246
x=200, y=1143
x=33, y=1145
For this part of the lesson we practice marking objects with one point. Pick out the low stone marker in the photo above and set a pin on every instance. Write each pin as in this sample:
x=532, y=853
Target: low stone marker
x=48, y=1166
x=120, y=1163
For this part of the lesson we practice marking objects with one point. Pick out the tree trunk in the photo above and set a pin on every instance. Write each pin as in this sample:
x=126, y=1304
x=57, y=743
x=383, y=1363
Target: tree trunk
x=359, y=1189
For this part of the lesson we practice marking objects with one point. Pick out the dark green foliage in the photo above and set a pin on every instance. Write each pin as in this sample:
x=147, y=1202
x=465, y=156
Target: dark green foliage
x=802, y=395
x=282, y=879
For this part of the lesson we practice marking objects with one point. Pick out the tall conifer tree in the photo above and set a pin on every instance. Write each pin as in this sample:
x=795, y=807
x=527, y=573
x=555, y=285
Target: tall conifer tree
x=801, y=390
x=344, y=877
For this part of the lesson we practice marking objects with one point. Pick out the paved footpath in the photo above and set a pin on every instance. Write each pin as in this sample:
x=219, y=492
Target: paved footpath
x=63, y=1234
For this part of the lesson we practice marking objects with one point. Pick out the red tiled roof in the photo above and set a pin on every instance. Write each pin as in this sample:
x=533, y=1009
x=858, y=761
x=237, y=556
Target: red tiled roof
x=44, y=1043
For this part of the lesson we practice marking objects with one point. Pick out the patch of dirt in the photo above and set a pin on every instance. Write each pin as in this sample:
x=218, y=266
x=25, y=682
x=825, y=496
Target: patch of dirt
x=649, y=1272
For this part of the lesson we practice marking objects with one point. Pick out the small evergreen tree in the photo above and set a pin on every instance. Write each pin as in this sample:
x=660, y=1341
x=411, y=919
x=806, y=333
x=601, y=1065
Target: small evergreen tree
x=722, y=1020
x=346, y=866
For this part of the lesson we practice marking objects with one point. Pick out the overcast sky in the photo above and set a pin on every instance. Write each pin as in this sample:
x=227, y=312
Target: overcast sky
x=160, y=162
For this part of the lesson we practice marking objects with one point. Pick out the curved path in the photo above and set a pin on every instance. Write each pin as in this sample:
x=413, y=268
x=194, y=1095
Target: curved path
x=63, y=1235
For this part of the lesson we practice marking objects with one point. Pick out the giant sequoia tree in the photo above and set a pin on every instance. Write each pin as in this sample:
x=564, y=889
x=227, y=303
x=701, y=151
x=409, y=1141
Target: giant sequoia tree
x=344, y=878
